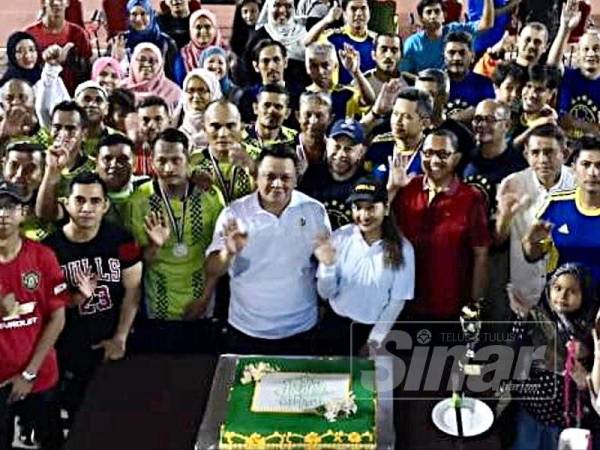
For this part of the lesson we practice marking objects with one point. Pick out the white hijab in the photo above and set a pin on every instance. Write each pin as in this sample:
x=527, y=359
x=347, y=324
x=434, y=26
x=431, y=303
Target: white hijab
x=193, y=121
x=290, y=35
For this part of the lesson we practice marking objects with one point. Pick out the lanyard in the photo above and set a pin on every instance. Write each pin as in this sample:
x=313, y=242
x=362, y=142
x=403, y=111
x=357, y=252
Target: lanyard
x=226, y=188
x=176, y=227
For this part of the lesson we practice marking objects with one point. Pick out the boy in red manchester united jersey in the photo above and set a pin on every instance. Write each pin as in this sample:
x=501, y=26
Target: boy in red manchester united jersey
x=32, y=298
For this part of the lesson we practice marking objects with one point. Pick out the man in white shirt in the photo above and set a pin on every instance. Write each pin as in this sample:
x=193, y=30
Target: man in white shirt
x=521, y=195
x=265, y=241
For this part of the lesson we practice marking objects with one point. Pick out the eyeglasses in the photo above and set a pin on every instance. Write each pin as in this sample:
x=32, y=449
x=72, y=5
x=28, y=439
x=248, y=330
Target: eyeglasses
x=148, y=61
x=441, y=154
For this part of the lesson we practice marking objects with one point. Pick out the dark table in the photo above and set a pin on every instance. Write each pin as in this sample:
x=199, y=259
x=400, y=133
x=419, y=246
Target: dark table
x=146, y=403
x=158, y=402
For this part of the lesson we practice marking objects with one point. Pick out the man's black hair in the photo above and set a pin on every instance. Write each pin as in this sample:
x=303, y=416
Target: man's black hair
x=153, y=100
x=174, y=136
x=88, y=178
x=461, y=37
x=509, y=69
x=109, y=140
x=264, y=43
x=425, y=3
x=123, y=98
x=548, y=131
x=548, y=75
x=282, y=151
x=72, y=106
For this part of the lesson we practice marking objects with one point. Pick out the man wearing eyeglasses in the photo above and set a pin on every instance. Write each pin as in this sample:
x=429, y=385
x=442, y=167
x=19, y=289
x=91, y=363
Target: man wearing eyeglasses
x=495, y=158
x=445, y=219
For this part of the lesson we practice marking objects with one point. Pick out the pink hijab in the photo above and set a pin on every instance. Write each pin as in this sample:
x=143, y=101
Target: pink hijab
x=106, y=61
x=158, y=85
x=191, y=52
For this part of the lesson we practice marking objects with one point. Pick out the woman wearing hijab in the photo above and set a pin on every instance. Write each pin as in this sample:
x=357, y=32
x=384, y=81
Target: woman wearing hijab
x=147, y=76
x=23, y=64
x=143, y=27
x=23, y=59
x=200, y=87
x=278, y=21
x=108, y=73
x=214, y=59
x=204, y=32
x=555, y=395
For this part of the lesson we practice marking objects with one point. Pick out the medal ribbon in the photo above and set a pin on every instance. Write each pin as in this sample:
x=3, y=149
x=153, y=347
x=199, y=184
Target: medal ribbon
x=177, y=228
x=226, y=188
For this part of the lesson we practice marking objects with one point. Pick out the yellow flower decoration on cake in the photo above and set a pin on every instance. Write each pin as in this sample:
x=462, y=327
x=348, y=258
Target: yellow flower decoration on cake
x=312, y=439
x=338, y=437
x=354, y=438
x=255, y=442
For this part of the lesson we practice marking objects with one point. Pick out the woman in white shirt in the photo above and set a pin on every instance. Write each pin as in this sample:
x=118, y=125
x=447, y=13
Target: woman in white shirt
x=366, y=271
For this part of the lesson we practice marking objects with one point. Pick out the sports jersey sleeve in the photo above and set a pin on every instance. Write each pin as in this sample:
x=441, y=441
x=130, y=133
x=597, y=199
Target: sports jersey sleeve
x=138, y=209
x=55, y=289
x=468, y=27
x=479, y=234
x=215, y=204
x=128, y=250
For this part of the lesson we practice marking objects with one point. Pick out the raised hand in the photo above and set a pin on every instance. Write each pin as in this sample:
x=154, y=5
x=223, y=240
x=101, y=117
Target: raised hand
x=397, y=176
x=56, y=159
x=157, y=229
x=202, y=179
x=17, y=122
x=350, y=59
x=570, y=15
x=518, y=303
x=86, y=282
x=118, y=47
x=384, y=103
x=238, y=156
x=132, y=128
x=510, y=201
x=335, y=13
x=235, y=237
x=539, y=231
x=324, y=249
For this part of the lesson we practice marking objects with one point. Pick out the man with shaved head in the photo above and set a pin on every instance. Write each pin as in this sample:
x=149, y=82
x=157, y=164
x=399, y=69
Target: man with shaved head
x=495, y=157
x=224, y=162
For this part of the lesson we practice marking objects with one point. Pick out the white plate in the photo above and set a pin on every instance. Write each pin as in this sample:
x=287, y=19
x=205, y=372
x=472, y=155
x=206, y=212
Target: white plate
x=477, y=417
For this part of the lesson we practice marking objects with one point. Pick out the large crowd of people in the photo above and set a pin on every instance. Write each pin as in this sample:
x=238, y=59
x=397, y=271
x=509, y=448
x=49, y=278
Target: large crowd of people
x=172, y=191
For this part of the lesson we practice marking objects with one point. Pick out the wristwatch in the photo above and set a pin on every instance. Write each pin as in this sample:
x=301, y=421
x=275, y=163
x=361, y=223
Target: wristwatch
x=29, y=376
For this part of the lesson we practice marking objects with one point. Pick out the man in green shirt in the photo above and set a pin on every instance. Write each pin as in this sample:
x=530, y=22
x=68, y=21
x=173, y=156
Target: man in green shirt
x=173, y=221
x=224, y=163
x=65, y=158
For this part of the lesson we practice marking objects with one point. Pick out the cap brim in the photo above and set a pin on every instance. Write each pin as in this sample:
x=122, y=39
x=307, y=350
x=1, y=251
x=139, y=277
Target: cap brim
x=361, y=197
x=344, y=133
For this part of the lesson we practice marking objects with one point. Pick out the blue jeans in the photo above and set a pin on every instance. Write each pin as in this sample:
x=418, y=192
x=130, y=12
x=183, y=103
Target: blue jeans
x=534, y=435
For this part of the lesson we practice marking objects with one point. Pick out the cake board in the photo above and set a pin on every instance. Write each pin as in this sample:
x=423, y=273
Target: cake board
x=224, y=377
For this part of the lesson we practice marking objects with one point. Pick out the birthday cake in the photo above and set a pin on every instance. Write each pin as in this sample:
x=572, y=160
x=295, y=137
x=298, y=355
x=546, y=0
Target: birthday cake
x=311, y=404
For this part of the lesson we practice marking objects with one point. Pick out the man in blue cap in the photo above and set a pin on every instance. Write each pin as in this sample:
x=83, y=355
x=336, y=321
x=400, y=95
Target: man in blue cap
x=331, y=181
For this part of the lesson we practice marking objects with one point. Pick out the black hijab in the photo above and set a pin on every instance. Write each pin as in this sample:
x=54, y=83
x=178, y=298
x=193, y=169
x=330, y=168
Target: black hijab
x=16, y=71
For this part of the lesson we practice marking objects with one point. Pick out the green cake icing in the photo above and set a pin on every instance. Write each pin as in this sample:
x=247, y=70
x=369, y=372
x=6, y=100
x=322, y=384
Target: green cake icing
x=244, y=429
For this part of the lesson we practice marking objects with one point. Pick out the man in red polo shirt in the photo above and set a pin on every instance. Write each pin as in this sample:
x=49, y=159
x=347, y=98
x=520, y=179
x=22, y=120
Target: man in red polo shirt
x=54, y=28
x=33, y=294
x=445, y=220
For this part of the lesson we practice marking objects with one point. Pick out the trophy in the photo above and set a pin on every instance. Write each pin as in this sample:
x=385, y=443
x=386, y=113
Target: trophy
x=470, y=322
